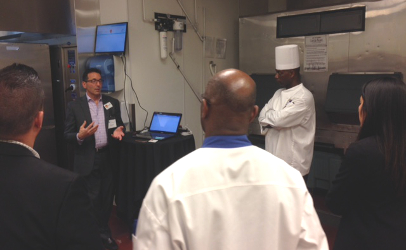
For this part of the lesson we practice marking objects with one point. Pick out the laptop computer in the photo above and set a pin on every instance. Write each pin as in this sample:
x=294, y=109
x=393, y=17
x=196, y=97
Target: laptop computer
x=163, y=126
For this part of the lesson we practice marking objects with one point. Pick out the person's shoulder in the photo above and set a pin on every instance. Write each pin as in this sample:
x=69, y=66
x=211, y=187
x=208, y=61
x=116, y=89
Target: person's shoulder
x=367, y=147
x=305, y=95
x=109, y=98
x=278, y=91
x=268, y=157
x=274, y=163
x=279, y=170
x=175, y=179
x=194, y=160
x=276, y=95
x=193, y=156
x=306, y=91
x=77, y=101
x=52, y=172
x=368, y=142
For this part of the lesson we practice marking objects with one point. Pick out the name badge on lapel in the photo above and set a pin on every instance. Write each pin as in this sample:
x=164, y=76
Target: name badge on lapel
x=112, y=123
x=108, y=106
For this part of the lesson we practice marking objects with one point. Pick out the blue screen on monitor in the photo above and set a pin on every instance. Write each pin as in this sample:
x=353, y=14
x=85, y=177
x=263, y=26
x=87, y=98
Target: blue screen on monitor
x=111, y=38
x=165, y=122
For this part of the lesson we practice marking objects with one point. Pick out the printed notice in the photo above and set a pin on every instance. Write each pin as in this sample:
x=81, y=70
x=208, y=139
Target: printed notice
x=316, y=54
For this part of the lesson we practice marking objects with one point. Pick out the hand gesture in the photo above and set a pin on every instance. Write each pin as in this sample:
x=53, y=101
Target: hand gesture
x=87, y=131
x=118, y=133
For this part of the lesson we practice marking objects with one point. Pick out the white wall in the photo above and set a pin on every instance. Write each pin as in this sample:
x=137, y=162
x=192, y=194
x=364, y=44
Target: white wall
x=157, y=82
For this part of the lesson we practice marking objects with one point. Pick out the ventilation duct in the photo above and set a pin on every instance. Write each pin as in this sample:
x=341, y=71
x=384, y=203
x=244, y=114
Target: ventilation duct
x=344, y=91
x=22, y=21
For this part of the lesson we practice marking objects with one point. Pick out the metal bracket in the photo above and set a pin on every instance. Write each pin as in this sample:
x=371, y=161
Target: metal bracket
x=164, y=22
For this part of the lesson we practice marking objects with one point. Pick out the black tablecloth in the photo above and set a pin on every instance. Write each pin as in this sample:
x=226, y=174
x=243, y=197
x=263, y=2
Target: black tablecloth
x=140, y=161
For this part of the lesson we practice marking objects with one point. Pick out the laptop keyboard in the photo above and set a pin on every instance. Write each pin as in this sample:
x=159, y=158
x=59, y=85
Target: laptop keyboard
x=152, y=135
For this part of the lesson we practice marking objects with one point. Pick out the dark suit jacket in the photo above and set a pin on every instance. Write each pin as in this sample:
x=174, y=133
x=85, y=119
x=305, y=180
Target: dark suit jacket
x=78, y=111
x=373, y=216
x=41, y=205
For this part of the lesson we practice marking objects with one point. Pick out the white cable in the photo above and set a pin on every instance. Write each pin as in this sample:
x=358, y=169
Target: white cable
x=188, y=132
x=190, y=21
x=211, y=65
x=184, y=76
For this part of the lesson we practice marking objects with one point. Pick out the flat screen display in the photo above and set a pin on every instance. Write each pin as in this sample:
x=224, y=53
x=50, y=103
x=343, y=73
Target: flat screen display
x=165, y=122
x=111, y=38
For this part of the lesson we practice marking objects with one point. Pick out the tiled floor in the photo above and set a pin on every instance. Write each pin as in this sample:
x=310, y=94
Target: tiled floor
x=328, y=220
x=121, y=232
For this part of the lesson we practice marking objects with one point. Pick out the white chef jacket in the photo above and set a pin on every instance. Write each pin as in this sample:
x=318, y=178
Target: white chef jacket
x=229, y=195
x=292, y=115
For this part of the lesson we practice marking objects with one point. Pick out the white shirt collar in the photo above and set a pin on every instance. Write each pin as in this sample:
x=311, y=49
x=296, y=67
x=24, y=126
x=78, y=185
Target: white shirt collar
x=89, y=99
x=299, y=86
x=35, y=153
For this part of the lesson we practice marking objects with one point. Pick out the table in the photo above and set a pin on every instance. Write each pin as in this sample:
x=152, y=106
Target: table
x=139, y=162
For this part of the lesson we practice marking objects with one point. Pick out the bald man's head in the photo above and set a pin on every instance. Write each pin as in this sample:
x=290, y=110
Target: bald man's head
x=230, y=103
x=232, y=88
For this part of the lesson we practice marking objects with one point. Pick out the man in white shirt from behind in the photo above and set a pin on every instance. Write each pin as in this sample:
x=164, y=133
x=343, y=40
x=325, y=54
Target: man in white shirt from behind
x=229, y=194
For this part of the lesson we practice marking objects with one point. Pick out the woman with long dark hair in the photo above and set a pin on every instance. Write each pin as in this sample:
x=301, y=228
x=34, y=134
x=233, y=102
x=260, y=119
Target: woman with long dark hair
x=369, y=190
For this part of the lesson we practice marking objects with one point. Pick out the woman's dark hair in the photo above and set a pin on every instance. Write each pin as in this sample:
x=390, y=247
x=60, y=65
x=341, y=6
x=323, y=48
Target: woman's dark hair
x=384, y=110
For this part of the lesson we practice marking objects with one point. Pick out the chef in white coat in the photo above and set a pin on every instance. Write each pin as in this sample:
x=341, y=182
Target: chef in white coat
x=229, y=194
x=288, y=120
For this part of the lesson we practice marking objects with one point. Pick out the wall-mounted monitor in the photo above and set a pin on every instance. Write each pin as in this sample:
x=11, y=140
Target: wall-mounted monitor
x=111, y=38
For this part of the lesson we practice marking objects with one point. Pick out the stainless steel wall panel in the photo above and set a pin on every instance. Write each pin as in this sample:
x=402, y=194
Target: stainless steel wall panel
x=380, y=48
x=257, y=38
x=307, y=4
x=36, y=56
x=87, y=14
x=253, y=7
x=38, y=16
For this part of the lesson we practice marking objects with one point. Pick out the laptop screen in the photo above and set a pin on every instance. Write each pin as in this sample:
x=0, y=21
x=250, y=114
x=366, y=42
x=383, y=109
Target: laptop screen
x=165, y=122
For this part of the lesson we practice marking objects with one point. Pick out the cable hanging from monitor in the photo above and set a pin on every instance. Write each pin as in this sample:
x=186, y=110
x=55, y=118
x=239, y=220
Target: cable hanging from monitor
x=125, y=101
x=132, y=87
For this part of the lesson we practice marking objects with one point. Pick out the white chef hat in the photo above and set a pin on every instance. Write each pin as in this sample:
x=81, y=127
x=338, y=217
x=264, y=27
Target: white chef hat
x=287, y=57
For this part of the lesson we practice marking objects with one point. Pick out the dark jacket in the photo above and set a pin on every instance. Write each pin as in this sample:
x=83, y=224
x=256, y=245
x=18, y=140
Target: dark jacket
x=78, y=111
x=42, y=206
x=373, y=215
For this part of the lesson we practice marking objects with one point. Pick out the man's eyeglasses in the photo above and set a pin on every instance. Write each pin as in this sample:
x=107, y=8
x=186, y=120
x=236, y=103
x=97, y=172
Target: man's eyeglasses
x=94, y=81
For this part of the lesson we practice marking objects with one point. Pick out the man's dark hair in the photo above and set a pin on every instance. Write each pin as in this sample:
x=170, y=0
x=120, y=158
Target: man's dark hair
x=21, y=98
x=88, y=71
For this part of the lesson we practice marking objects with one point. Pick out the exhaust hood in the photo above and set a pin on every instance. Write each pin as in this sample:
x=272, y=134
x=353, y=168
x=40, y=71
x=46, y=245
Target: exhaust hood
x=344, y=91
x=26, y=21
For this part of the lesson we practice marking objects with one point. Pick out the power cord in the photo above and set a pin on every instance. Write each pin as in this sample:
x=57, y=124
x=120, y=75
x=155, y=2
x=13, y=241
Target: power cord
x=132, y=87
x=132, y=128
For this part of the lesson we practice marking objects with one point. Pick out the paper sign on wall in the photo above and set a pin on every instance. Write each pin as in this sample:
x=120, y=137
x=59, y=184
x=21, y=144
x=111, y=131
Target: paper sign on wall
x=316, y=58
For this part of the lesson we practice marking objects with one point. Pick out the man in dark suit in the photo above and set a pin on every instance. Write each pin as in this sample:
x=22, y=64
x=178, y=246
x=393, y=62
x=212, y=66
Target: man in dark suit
x=42, y=206
x=93, y=124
